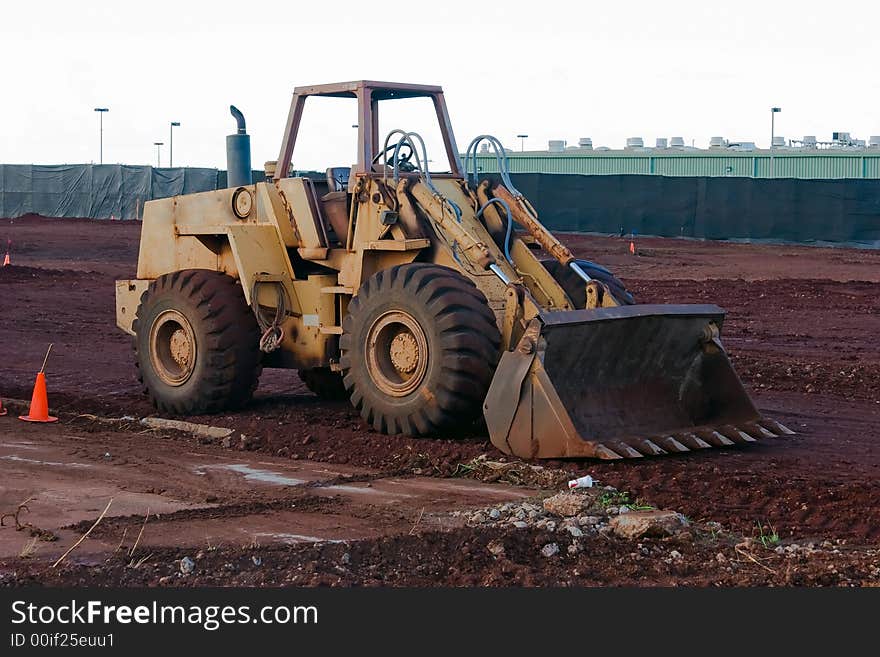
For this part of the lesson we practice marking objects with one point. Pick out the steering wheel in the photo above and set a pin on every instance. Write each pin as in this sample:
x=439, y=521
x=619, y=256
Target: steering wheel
x=404, y=155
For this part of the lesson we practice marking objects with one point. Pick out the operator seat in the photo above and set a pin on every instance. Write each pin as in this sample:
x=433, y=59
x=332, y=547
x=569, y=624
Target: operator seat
x=337, y=178
x=335, y=203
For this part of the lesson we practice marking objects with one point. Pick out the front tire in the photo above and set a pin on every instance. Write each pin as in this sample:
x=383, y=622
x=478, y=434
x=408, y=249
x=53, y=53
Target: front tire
x=196, y=343
x=418, y=350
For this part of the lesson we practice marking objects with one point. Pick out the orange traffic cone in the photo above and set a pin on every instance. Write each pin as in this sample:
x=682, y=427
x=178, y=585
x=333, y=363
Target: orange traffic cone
x=3, y=411
x=6, y=261
x=632, y=247
x=39, y=410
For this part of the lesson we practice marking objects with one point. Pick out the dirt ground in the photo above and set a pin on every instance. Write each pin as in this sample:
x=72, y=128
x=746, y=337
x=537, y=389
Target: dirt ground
x=303, y=493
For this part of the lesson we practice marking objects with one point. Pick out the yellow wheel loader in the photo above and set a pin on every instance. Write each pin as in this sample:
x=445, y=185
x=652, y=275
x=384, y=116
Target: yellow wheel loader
x=425, y=297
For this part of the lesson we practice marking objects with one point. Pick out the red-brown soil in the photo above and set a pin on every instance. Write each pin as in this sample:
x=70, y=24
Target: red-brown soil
x=801, y=329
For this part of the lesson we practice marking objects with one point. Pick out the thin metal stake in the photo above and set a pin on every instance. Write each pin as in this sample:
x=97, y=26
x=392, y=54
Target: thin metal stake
x=43, y=368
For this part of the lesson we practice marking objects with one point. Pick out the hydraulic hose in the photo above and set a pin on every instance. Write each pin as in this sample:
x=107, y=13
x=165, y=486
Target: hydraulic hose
x=507, y=235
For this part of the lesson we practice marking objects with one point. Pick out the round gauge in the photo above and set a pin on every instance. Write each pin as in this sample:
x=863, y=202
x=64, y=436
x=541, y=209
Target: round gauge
x=242, y=202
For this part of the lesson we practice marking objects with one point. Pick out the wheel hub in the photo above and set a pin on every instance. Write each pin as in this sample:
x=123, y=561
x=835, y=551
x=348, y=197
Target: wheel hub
x=397, y=353
x=180, y=348
x=172, y=348
x=404, y=352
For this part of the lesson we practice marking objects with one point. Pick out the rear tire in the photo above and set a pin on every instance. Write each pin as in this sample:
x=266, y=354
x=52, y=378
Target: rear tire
x=196, y=343
x=324, y=382
x=574, y=285
x=418, y=350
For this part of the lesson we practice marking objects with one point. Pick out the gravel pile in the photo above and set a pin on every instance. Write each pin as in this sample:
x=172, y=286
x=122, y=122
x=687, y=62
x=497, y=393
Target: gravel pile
x=571, y=514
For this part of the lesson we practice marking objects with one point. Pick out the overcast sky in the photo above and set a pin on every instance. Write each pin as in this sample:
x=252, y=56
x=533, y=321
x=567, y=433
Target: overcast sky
x=551, y=69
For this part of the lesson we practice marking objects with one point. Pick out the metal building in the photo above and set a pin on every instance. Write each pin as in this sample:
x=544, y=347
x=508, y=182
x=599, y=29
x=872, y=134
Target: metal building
x=726, y=160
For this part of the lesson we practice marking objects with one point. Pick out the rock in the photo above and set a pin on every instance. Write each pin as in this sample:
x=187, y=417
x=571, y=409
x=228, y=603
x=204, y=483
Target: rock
x=574, y=531
x=258, y=561
x=648, y=523
x=478, y=518
x=187, y=565
x=346, y=559
x=564, y=504
x=550, y=550
x=550, y=526
x=675, y=554
x=589, y=521
x=520, y=524
x=496, y=548
x=612, y=510
x=494, y=514
x=720, y=558
x=164, y=580
x=574, y=548
x=520, y=514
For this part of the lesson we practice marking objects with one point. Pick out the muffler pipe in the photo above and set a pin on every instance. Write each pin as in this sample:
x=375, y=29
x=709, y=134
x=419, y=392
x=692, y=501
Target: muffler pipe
x=238, y=153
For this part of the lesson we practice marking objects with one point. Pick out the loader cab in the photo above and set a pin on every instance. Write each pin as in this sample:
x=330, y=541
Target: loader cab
x=376, y=116
x=372, y=124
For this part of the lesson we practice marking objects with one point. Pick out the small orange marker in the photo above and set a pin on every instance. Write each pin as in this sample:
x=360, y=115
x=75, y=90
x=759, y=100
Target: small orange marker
x=39, y=409
x=632, y=247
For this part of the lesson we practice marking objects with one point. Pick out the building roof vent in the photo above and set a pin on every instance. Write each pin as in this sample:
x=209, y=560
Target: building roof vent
x=661, y=142
x=635, y=142
x=778, y=142
x=556, y=145
x=809, y=141
x=676, y=142
x=585, y=142
x=717, y=142
x=874, y=141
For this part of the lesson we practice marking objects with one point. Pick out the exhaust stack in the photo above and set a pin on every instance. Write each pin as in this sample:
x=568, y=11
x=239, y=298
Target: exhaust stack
x=238, y=153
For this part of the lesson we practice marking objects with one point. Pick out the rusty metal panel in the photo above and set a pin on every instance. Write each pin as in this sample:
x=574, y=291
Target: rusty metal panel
x=128, y=298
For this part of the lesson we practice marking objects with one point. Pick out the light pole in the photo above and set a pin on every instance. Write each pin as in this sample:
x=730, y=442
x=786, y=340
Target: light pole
x=158, y=145
x=773, y=112
x=522, y=142
x=174, y=124
x=100, y=111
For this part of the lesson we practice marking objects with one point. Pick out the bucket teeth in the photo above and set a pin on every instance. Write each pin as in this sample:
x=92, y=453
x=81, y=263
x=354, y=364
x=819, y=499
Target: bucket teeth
x=606, y=454
x=715, y=438
x=757, y=430
x=692, y=440
x=624, y=450
x=645, y=447
x=737, y=435
x=670, y=444
x=777, y=427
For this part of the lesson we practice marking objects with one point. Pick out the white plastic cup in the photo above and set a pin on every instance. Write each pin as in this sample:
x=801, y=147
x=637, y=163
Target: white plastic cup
x=581, y=482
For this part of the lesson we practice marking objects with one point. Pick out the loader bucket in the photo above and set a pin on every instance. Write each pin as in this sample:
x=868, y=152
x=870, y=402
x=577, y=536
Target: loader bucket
x=624, y=382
